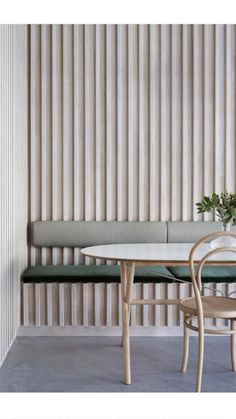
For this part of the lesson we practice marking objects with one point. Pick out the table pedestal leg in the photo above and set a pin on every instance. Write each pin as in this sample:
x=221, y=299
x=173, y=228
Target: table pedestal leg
x=126, y=286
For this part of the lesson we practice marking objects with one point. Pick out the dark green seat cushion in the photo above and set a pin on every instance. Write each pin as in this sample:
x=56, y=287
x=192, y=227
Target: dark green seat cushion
x=94, y=273
x=209, y=273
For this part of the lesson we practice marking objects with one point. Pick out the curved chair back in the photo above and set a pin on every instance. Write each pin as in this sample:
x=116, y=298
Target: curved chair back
x=196, y=274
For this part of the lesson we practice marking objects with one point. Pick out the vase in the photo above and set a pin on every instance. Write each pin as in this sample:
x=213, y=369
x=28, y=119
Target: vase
x=224, y=241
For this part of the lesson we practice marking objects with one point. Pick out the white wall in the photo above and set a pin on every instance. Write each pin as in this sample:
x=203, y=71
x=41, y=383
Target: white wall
x=13, y=177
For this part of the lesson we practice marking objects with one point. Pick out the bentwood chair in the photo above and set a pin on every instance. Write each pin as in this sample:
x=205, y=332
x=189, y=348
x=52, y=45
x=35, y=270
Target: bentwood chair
x=201, y=307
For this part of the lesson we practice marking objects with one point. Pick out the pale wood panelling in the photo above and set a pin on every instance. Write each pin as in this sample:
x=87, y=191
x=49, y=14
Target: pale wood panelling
x=13, y=177
x=99, y=304
x=128, y=122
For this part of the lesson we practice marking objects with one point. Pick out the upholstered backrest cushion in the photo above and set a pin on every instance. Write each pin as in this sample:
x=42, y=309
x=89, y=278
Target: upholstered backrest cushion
x=190, y=231
x=89, y=233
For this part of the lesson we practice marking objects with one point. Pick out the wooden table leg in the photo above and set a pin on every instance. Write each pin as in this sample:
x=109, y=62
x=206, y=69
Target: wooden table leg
x=127, y=278
x=123, y=281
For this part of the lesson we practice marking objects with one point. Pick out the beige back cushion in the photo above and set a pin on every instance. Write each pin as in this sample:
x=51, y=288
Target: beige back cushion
x=89, y=233
x=190, y=231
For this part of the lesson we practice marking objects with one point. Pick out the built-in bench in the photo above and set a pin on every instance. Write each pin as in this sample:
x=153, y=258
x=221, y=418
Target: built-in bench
x=90, y=233
x=88, y=294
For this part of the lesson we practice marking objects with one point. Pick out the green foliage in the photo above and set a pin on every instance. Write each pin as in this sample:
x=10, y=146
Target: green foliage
x=223, y=206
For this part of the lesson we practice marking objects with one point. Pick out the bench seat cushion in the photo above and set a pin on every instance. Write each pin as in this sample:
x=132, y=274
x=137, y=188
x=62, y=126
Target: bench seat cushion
x=209, y=273
x=93, y=273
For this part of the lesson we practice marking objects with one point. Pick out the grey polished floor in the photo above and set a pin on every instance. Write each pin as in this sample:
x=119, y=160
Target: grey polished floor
x=94, y=364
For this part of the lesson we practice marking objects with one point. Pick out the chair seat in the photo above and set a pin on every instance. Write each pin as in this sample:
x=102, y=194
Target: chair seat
x=213, y=307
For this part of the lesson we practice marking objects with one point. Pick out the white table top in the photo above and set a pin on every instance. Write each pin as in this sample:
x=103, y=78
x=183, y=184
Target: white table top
x=166, y=253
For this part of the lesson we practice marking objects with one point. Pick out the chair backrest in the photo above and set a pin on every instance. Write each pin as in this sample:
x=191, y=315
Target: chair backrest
x=200, y=262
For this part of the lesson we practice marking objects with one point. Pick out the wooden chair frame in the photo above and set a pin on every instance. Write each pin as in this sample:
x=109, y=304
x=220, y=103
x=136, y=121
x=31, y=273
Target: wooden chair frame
x=188, y=317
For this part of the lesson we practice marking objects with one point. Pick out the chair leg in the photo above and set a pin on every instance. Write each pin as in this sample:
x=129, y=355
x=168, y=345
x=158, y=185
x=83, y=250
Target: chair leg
x=232, y=345
x=200, y=356
x=186, y=347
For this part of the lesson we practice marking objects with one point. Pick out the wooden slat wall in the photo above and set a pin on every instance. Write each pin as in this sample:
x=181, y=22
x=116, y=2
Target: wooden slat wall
x=99, y=304
x=13, y=177
x=129, y=122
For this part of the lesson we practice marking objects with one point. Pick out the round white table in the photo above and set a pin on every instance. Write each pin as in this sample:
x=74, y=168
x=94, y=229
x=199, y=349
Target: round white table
x=154, y=253
x=129, y=255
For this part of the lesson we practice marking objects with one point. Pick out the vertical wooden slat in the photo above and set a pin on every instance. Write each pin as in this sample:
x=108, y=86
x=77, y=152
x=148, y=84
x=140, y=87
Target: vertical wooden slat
x=145, y=307
x=68, y=133
x=85, y=304
x=61, y=305
x=73, y=305
x=230, y=148
x=155, y=122
x=35, y=123
x=26, y=304
x=46, y=122
x=132, y=123
x=37, y=305
x=49, y=304
x=120, y=306
x=133, y=319
x=165, y=122
x=219, y=108
x=111, y=123
x=79, y=122
x=208, y=112
x=169, y=310
x=108, y=305
x=97, y=304
x=100, y=122
x=122, y=125
x=89, y=122
x=143, y=123
x=157, y=308
x=197, y=150
x=57, y=130
x=187, y=101
x=176, y=119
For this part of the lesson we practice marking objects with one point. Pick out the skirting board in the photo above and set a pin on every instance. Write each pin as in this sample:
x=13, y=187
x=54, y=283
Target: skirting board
x=100, y=331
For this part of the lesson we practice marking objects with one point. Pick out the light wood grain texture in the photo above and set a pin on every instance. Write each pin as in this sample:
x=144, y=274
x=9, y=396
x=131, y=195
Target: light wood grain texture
x=139, y=123
x=134, y=116
x=110, y=313
x=13, y=178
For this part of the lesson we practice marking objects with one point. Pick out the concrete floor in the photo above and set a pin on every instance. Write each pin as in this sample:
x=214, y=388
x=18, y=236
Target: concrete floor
x=94, y=364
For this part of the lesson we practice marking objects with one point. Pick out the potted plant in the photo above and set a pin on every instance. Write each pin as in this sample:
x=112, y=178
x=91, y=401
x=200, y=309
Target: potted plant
x=223, y=206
